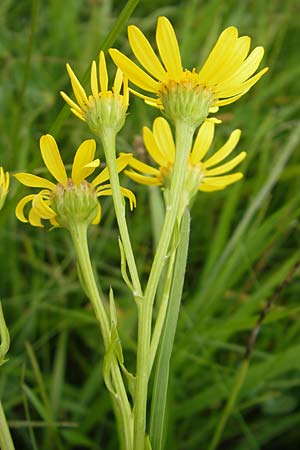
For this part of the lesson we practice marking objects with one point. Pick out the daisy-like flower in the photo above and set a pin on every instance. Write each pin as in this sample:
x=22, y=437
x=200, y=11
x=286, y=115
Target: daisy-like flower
x=226, y=75
x=104, y=107
x=201, y=175
x=71, y=199
x=4, y=185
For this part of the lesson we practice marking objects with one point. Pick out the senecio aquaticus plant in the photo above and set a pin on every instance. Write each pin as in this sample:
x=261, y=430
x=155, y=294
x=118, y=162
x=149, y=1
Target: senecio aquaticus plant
x=181, y=167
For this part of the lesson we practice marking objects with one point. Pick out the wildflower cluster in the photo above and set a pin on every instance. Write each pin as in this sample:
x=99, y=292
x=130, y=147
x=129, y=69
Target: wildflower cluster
x=180, y=146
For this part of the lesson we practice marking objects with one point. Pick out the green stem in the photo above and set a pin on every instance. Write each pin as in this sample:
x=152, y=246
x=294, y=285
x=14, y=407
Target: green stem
x=184, y=136
x=230, y=404
x=121, y=403
x=6, y=442
x=108, y=138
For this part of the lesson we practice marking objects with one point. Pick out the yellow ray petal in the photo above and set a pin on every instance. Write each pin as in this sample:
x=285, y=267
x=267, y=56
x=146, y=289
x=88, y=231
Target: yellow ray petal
x=148, y=100
x=142, y=179
x=142, y=167
x=225, y=150
x=227, y=166
x=208, y=188
x=152, y=147
x=54, y=223
x=4, y=179
x=83, y=156
x=21, y=205
x=34, y=181
x=133, y=72
x=70, y=102
x=98, y=215
x=203, y=141
x=224, y=180
x=42, y=207
x=239, y=52
x=94, y=80
x=145, y=53
x=121, y=163
x=219, y=54
x=93, y=164
x=125, y=91
x=249, y=66
x=102, y=187
x=131, y=197
x=103, y=76
x=78, y=90
x=104, y=193
x=244, y=87
x=34, y=218
x=155, y=103
x=164, y=139
x=168, y=47
x=227, y=101
x=78, y=114
x=213, y=109
x=52, y=158
x=118, y=82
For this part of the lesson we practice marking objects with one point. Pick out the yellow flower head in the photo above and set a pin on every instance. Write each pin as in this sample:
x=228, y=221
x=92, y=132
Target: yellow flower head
x=71, y=199
x=4, y=185
x=201, y=175
x=226, y=75
x=104, y=107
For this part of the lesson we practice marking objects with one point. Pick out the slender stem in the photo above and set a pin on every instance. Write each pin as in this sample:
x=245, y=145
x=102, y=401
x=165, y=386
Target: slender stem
x=108, y=138
x=184, y=135
x=121, y=402
x=6, y=442
x=79, y=238
x=230, y=404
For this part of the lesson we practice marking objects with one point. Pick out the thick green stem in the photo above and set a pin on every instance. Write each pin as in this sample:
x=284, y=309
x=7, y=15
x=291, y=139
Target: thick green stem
x=121, y=403
x=184, y=135
x=6, y=442
x=108, y=138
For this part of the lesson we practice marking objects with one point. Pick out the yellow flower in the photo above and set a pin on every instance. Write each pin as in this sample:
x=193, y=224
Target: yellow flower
x=4, y=185
x=201, y=175
x=103, y=107
x=70, y=199
x=226, y=75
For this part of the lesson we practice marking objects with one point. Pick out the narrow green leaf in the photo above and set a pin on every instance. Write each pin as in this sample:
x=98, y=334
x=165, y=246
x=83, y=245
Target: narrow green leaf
x=124, y=266
x=4, y=338
x=112, y=307
x=161, y=378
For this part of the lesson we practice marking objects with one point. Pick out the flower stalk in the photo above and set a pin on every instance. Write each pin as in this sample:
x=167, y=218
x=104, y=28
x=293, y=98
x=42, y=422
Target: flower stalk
x=184, y=135
x=121, y=403
x=108, y=138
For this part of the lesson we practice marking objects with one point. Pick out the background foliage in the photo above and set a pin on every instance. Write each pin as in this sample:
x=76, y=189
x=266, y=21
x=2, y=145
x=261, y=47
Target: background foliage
x=244, y=240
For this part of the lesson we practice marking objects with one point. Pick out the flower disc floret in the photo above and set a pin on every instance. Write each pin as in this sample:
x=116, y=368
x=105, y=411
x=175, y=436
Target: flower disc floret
x=104, y=108
x=201, y=174
x=72, y=199
x=227, y=74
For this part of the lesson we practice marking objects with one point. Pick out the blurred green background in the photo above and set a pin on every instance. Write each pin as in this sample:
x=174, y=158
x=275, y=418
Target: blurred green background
x=244, y=240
